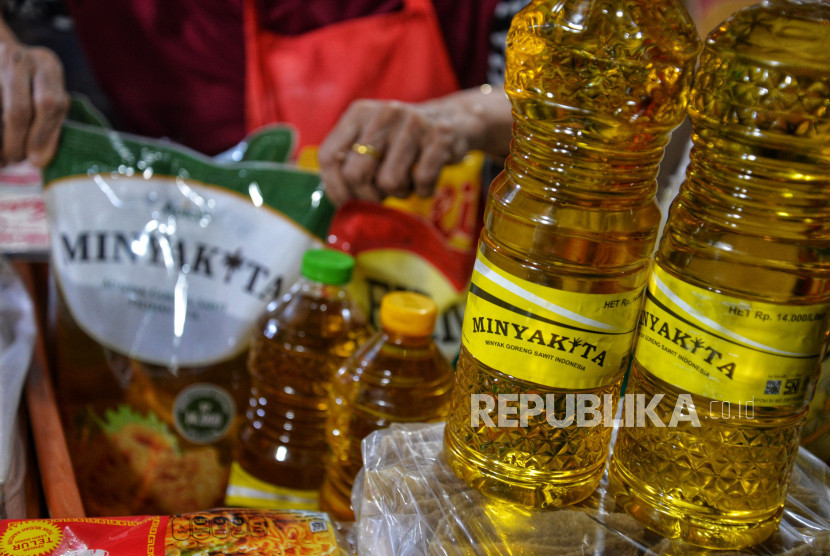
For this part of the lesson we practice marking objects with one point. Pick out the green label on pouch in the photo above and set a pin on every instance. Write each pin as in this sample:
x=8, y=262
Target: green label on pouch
x=548, y=336
x=727, y=348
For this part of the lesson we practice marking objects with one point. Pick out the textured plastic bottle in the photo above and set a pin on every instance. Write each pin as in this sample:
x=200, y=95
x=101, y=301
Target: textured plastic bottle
x=398, y=376
x=736, y=313
x=570, y=225
x=301, y=342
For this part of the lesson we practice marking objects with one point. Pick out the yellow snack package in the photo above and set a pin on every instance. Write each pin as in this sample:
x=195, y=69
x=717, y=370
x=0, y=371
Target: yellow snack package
x=421, y=244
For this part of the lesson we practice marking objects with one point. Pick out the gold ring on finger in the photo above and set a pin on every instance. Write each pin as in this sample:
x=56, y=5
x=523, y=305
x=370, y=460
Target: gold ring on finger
x=364, y=148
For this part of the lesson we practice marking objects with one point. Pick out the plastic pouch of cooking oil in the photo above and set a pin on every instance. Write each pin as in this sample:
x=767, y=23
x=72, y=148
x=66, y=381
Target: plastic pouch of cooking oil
x=162, y=261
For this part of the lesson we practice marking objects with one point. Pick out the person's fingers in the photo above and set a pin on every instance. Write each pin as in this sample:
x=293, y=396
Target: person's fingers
x=366, y=153
x=16, y=102
x=394, y=176
x=381, y=148
x=334, y=149
x=336, y=187
x=439, y=148
x=360, y=165
x=51, y=103
x=345, y=133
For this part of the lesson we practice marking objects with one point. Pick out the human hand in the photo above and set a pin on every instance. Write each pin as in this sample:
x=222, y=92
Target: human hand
x=388, y=148
x=34, y=102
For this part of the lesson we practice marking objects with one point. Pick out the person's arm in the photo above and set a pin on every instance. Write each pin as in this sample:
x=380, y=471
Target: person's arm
x=33, y=101
x=388, y=148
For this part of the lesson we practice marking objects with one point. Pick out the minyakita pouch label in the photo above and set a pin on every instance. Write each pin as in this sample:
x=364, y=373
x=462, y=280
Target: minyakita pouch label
x=727, y=348
x=545, y=335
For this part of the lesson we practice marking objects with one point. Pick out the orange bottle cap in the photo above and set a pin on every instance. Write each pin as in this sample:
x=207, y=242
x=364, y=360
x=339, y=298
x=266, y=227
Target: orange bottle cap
x=408, y=313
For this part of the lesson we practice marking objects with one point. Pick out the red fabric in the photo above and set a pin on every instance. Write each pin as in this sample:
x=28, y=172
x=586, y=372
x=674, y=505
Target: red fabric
x=170, y=68
x=310, y=79
x=294, y=17
x=174, y=68
x=465, y=24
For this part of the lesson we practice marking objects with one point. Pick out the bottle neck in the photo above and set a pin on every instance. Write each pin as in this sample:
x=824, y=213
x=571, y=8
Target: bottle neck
x=405, y=340
x=320, y=290
x=596, y=88
x=759, y=142
x=569, y=153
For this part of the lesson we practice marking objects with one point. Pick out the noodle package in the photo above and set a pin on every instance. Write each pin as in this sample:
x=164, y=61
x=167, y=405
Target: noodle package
x=219, y=531
x=163, y=259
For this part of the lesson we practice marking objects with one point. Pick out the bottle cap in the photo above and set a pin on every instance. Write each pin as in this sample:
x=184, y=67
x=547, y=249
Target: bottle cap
x=328, y=266
x=408, y=313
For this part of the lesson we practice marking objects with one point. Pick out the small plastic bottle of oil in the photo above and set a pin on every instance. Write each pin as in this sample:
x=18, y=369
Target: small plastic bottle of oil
x=398, y=376
x=300, y=342
x=736, y=317
x=569, y=228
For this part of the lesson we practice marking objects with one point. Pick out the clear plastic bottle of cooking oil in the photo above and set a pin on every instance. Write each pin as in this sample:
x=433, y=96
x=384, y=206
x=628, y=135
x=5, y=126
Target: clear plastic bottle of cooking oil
x=736, y=316
x=596, y=86
x=299, y=344
x=398, y=376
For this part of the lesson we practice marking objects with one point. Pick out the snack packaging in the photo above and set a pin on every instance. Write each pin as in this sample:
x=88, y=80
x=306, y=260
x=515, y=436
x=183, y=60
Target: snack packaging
x=426, y=245
x=218, y=531
x=162, y=260
x=23, y=228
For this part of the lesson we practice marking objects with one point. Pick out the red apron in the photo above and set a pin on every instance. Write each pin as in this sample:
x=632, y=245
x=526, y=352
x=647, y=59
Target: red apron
x=309, y=80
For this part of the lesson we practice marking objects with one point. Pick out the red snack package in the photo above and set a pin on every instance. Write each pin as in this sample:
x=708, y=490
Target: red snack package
x=220, y=531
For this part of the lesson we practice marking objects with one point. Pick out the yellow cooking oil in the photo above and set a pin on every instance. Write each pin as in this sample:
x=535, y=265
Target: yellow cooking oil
x=299, y=343
x=736, y=316
x=569, y=228
x=399, y=375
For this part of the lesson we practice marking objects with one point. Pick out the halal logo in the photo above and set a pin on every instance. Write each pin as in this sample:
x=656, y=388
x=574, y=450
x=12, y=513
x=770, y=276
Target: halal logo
x=203, y=413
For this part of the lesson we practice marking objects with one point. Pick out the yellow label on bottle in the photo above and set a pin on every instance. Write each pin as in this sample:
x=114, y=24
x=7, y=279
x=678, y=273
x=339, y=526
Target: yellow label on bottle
x=727, y=348
x=246, y=490
x=545, y=335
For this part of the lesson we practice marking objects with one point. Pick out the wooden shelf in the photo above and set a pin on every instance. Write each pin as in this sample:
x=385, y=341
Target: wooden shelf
x=57, y=478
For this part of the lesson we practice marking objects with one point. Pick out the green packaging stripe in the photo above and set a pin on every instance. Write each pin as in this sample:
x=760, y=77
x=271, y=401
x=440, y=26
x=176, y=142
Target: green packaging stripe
x=86, y=149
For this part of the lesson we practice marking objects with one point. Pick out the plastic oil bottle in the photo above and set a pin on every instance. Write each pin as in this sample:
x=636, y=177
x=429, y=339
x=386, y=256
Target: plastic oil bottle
x=736, y=316
x=398, y=376
x=300, y=342
x=569, y=228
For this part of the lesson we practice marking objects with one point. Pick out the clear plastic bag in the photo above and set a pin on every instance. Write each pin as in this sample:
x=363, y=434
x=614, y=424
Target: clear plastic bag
x=17, y=338
x=408, y=501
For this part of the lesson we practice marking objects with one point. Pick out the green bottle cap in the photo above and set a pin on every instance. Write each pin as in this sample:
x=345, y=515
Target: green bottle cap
x=328, y=266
